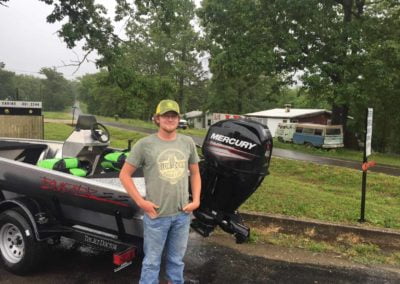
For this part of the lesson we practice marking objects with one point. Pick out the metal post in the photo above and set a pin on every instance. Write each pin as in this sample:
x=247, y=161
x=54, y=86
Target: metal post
x=364, y=174
x=363, y=194
x=73, y=115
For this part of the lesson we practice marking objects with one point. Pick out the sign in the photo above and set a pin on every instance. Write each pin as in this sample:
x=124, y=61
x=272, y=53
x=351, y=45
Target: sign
x=20, y=104
x=222, y=116
x=368, y=136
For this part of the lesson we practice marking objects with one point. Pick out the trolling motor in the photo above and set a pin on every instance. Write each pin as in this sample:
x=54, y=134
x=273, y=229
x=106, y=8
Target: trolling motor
x=237, y=154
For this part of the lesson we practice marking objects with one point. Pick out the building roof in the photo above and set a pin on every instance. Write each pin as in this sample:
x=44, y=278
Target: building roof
x=292, y=113
x=193, y=114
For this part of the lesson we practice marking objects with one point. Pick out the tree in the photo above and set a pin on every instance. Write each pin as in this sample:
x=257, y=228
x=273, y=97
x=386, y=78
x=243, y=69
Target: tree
x=166, y=42
x=162, y=30
x=7, y=87
x=239, y=39
x=158, y=59
x=335, y=44
x=29, y=87
x=57, y=91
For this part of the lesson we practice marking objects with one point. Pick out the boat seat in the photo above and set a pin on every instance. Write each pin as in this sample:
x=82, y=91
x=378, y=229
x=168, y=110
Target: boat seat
x=24, y=152
x=114, y=161
x=67, y=165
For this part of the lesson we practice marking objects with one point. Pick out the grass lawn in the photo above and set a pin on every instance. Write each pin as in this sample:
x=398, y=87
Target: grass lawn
x=353, y=250
x=327, y=193
x=301, y=189
x=128, y=121
x=119, y=137
x=57, y=115
x=151, y=125
x=379, y=158
x=346, y=154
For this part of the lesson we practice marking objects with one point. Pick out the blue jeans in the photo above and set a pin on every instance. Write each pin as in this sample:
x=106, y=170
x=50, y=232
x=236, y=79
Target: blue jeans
x=171, y=233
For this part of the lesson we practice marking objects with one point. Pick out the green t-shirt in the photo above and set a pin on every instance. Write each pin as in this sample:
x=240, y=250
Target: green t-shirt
x=166, y=171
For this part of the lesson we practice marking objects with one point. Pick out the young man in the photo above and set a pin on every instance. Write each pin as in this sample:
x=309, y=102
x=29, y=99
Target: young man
x=166, y=158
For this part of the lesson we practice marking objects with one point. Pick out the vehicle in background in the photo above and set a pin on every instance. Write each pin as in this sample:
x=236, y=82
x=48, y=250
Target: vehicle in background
x=183, y=124
x=284, y=132
x=319, y=135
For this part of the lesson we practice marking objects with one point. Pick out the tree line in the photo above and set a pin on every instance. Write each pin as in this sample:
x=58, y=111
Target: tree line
x=54, y=91
x=344, y=53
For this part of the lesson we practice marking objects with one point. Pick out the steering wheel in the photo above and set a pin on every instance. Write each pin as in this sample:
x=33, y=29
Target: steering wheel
x=100, y=132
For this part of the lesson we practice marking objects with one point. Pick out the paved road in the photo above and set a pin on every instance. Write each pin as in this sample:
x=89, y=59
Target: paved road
x=283, y=153
x=288, y=154
x=206, y=262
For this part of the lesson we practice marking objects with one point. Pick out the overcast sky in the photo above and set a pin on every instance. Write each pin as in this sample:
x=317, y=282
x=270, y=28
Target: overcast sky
x=28, y=42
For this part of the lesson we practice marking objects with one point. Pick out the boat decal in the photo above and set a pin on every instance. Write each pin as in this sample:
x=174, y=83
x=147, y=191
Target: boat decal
x=87, y=192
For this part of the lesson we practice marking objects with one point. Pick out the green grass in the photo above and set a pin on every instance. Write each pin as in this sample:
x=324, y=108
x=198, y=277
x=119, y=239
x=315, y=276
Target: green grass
x=151, y=125
x=364, y=253
x=326, y=193
x=56, y=131
x=119, y=138
x=346, y=154
x=128, y=121
x=193, y=132
x=302, y=189
x=57, y=115
x=383, y=159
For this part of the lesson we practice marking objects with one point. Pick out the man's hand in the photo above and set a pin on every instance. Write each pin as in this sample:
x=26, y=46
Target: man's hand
x=189, y=208
x=149, y=208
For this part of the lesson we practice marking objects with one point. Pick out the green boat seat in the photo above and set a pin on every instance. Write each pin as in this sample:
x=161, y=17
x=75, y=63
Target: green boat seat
x=67, y=165
x=114, y=161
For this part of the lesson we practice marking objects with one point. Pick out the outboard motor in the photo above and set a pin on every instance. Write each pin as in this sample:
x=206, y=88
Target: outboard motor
x=237, y=154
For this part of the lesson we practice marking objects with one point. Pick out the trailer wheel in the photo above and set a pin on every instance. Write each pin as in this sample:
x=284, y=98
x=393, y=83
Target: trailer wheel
x=19, y=250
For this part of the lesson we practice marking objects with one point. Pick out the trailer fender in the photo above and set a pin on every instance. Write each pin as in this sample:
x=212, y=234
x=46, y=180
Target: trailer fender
x=31, y=209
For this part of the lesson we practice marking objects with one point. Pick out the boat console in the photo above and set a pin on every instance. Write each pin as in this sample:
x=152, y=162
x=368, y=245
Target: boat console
x=87, y=142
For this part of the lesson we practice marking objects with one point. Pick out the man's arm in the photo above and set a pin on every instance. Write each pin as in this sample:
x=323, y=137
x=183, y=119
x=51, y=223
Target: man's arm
x=126, y=180
x=195, y=185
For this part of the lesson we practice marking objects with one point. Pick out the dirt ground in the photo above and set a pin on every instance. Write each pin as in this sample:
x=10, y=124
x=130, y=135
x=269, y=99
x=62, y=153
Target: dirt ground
x=297, y=255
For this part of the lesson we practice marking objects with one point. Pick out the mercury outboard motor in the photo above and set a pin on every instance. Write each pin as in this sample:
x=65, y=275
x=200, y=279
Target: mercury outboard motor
x=237, y=154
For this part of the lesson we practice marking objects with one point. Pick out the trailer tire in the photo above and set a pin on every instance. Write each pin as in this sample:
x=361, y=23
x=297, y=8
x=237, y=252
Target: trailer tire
x=20, y=252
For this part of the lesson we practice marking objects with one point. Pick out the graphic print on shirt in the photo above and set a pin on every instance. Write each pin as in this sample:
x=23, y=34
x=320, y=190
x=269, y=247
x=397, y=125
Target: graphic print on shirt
x=171, y=165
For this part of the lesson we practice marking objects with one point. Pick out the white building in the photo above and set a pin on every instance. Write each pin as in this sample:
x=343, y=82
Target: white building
x=196, y=118
x=272, y=117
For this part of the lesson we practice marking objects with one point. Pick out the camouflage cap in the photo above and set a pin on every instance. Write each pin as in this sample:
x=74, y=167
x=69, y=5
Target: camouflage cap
x=166, y=106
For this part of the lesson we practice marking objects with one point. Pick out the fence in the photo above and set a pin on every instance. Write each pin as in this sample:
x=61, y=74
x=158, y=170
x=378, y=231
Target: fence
x=22, y=126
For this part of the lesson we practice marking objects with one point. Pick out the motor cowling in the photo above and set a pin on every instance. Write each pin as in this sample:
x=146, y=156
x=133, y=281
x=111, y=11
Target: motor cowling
x=237, y=154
